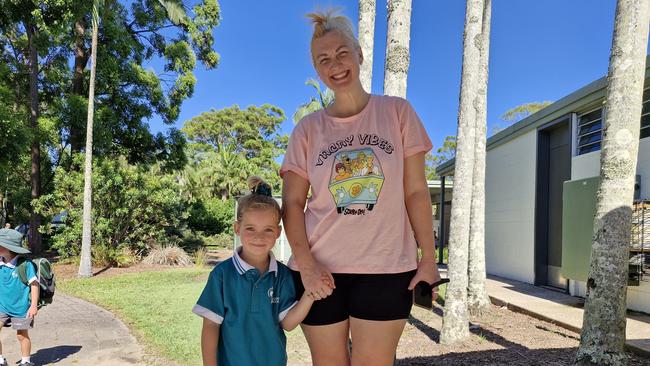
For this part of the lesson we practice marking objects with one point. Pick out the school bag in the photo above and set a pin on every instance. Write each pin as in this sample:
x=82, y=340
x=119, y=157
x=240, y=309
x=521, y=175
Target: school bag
x=44, y=275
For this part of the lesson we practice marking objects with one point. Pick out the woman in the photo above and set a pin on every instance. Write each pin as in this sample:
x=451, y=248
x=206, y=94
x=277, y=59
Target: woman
x=354, y=247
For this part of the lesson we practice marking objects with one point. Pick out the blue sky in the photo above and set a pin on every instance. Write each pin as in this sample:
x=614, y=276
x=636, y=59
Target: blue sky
x=540, y=50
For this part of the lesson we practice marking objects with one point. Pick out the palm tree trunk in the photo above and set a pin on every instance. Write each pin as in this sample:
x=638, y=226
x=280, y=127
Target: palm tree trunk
x=367, y=40
x=478, y=301
x=602, y=339
x=397, y=47
x=34, y=113
x=80, y=61
x=455, y=325
x=85, y=265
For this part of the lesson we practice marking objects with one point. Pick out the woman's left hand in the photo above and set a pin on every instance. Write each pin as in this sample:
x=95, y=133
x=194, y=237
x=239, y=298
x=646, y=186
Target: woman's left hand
x=427, y=272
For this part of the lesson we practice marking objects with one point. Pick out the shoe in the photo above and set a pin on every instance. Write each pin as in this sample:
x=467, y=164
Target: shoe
x=4, y=362
x=27, y=364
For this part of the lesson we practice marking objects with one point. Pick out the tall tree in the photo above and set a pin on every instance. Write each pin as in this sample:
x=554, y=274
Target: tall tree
x=78, y=78
x=522, y=111
x=367, y=10
x=444, y=153
x=455, y=325
x=232, y=140
x=35, y=243
x=127, y=93
x=324, y=99
x=85, y=264
x=478, y=301
x=602, y=339
x=398, y=56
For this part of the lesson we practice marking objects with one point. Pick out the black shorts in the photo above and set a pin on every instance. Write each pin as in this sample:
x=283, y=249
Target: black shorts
x=362, y=296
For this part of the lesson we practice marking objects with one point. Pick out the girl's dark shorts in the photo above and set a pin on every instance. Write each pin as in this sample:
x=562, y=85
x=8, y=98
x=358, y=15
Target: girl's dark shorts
x=362, y=296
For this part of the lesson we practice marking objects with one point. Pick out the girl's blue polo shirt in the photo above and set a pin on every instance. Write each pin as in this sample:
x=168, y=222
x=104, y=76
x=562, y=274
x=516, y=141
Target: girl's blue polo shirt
x=249, y=307
x=14, y=295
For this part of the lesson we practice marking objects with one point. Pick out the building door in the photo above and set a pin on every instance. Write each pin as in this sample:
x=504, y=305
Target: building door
x=553, y=169
x=559, y=171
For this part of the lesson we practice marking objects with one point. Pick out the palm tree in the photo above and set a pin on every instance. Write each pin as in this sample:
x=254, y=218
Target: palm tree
x=325, y=98
x=455, y=325
x=602, y=339
x=232, y=171
x=85, y=265
x=367, y=40
x=478, y=301
x=398, y=56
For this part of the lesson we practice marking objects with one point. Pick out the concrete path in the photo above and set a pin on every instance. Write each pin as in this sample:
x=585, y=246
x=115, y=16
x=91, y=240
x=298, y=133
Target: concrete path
x=71, y=331
x=561, y=309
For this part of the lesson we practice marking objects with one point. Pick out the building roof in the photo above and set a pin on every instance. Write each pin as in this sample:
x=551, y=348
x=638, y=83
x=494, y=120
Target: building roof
x=581, y=100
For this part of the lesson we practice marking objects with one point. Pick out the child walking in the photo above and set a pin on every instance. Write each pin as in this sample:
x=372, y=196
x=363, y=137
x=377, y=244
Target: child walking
x=18, y=302
x=250, y=298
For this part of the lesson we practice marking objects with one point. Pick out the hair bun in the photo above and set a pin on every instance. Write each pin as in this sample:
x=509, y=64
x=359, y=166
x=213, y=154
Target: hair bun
x=258, y=186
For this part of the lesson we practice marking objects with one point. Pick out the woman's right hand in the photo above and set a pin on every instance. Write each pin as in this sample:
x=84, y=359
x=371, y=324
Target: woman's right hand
x=317, y=280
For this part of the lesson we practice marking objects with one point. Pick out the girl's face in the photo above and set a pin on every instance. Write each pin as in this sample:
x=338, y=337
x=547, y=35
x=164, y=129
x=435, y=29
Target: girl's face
x=336, y=61
x=258, y=230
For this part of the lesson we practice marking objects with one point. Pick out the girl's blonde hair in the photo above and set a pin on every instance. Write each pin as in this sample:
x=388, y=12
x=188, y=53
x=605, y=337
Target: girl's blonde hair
x=330, y=20
x=260, y=198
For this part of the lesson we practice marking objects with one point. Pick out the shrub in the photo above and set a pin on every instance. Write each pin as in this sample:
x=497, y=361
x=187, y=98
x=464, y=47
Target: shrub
x=212, y=216
x=171, y=255
x=222, y=240
x=200, y=257
x=133, y=209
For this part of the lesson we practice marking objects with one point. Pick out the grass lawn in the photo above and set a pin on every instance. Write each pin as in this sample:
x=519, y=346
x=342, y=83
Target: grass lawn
x=156, y=305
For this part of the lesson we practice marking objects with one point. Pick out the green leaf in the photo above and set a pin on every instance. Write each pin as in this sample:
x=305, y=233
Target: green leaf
x=176, y=12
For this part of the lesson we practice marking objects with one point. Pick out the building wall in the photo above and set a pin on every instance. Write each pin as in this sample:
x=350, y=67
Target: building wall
x=510, y=208
x=588, y=165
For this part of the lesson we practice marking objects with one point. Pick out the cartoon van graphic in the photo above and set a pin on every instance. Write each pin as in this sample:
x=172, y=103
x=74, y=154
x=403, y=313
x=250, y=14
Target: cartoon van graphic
x=356, y=178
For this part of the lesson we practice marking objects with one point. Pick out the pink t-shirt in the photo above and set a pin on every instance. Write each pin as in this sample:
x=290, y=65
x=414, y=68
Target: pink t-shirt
x=356, y=219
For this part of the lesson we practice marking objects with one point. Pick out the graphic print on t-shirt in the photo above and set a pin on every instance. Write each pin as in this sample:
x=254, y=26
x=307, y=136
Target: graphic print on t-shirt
x=356, y=178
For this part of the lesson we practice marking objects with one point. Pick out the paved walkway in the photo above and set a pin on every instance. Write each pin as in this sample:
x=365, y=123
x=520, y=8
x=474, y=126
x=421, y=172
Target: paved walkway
x=561, y=309
x=71, y=331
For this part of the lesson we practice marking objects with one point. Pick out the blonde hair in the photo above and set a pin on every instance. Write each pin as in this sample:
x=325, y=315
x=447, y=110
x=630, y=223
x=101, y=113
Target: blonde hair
x=260, y=198
x=328, y=21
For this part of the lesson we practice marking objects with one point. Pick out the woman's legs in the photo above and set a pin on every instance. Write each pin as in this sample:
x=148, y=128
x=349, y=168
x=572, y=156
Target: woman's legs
x=375, y=342
x=328, y=343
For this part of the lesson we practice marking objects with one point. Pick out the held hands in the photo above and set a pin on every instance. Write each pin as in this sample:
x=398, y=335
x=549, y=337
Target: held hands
x=427, y=272
x=318, y=281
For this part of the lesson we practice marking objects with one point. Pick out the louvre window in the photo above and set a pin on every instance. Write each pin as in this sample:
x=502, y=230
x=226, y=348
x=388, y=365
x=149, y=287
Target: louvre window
x=590, y=131
x=590, y=127
x=645, y=115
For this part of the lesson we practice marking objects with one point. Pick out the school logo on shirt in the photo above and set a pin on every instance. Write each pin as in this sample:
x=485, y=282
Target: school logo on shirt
x=274, y=300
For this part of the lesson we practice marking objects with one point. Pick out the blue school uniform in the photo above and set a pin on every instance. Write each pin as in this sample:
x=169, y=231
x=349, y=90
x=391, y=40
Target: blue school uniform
x=14, y=295
x=249, y=307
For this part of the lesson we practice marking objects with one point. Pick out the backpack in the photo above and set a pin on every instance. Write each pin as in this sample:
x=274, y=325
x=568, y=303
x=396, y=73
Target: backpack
x=44, y=275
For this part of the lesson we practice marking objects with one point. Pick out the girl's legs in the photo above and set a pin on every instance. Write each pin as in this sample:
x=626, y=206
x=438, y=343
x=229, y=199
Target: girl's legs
x=375, y=342
x=328, y=343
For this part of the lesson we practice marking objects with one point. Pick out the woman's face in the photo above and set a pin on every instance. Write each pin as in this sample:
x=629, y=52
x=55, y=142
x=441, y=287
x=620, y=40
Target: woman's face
x=336, y=60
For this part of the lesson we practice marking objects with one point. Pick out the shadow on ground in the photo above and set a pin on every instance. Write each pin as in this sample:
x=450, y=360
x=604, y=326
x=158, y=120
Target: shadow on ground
x=511, y=353
x=54, y=355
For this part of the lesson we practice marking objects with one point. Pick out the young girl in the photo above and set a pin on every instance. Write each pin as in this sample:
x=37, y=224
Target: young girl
x=359, y=232
x=250, y=298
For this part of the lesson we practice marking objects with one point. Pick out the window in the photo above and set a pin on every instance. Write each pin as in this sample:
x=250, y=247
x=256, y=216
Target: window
x=590, y=127
x=589, y=131
x=645, y=115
